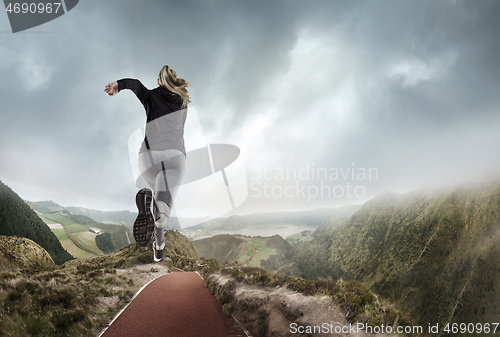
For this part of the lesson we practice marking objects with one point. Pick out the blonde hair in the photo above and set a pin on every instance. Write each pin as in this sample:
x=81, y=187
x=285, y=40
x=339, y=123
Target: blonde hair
x=168, y=79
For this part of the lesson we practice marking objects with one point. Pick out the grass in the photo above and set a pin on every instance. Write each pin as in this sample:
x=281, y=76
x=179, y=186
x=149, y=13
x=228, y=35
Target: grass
x=60, y=234
x=47, y=221
x=67, y=300
x=58, y=217
x=263, y=251
x=43, y=299
x=75, y=228
x=59, y=302
x=87, y=240
x=245, y=254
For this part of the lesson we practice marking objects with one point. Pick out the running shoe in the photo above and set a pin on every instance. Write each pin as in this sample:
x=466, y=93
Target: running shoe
x=159, y=254
x=144, y=224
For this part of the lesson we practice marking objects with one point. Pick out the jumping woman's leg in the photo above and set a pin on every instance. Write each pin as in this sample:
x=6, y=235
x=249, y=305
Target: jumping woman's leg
x=148, y=168
x=167, y=184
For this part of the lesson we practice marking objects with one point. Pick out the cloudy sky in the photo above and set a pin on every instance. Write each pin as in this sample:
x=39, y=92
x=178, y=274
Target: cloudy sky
x=310, y=91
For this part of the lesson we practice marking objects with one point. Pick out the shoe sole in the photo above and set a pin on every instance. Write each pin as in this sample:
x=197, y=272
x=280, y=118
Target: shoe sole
x=144, y=224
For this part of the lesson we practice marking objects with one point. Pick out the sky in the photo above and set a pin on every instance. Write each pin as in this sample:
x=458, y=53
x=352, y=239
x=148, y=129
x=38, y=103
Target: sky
x=329, y=102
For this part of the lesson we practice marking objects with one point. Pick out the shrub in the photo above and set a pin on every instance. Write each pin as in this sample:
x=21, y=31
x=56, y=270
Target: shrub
x=64, y=297
x=64, y=320
x=14, y=296
x=36, y=326
x=145, y=257
x=261, y=322
x=7, y=275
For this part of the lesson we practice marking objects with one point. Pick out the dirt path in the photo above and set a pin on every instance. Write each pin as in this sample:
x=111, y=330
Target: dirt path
x=177, y=304
x=254, y=253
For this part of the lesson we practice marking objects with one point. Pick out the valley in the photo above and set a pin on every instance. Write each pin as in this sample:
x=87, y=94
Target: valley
x=431, y=253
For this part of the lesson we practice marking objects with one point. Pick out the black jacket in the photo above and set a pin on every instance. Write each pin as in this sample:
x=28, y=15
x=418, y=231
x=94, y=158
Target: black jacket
x=165, y=117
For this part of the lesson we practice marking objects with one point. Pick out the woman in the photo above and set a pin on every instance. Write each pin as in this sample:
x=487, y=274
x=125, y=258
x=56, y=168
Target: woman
x=162, y=155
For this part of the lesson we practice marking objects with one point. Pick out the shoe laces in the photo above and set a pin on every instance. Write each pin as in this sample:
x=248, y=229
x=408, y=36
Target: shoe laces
x=159, y=247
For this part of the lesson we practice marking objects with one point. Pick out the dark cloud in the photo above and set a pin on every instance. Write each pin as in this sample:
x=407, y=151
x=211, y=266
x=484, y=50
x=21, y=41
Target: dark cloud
x=409, y=87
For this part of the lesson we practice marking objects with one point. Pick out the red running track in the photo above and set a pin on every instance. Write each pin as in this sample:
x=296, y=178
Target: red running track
x=176, y=304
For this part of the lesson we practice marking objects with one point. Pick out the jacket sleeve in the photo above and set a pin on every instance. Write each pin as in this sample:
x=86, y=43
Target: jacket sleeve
x=136, y=86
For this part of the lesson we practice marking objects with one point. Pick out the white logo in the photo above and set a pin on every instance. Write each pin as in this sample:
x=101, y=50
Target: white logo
x=214, y=182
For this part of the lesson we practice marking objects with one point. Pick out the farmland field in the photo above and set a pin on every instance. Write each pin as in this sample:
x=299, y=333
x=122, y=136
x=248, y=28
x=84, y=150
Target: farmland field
x=80, y=233
x=70, y=246
x=263, y=251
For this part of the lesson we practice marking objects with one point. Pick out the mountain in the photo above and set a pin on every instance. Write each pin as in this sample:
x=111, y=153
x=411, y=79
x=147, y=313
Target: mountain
x=313, y=218
x=282, y=254
x=435, y=252
x=112, y=217
x=17, y=218
x=336, y=219
x=45, y=207
x=224, y=248
x=115, y=226
x=125, y=218
x=272, y=253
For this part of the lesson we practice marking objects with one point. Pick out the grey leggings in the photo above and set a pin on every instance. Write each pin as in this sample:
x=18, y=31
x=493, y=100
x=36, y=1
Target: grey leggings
x=163, y=172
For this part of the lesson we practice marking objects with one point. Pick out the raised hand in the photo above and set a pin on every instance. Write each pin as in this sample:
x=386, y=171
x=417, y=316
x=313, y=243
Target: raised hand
x=111, y=89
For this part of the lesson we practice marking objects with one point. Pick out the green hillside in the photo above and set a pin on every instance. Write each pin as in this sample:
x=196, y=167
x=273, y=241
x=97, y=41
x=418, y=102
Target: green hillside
x=45, y=207
x=224, y=248
x=435, y=252
x=113, y=238
x=282, y=252
x=272, y=253
x=17, y=218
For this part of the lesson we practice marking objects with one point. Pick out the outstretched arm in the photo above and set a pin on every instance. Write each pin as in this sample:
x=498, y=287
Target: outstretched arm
x=136, y=86
x=111, y=89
